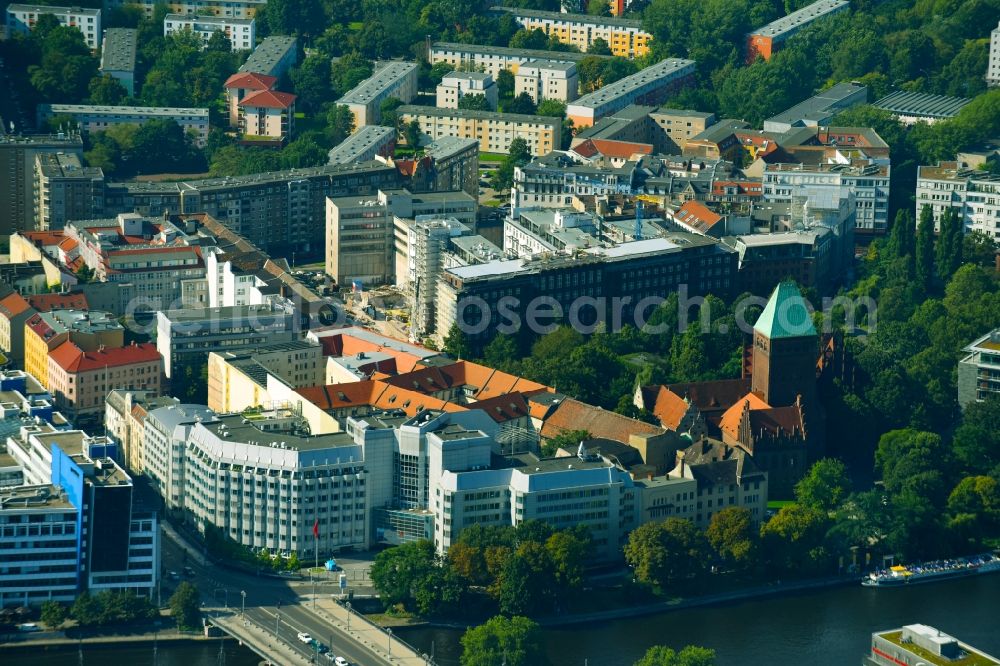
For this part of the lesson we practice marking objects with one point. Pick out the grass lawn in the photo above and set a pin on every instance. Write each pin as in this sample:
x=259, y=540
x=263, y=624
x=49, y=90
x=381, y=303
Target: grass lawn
x=355, y=25
x=304, y=124
x=777, y=505
x=491, y=157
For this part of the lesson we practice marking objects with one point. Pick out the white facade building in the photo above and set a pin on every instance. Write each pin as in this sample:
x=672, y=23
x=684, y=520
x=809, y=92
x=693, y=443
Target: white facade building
x=455, y=85
x=241, y=33
x=22, y=18
x=546, y=79
x=868, y=180
x=241, y=9
x=993, y=68
x=973, y=194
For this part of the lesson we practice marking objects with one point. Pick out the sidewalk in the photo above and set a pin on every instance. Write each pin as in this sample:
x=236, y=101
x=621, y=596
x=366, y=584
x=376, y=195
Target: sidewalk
x=192, y=550
x=362, y=631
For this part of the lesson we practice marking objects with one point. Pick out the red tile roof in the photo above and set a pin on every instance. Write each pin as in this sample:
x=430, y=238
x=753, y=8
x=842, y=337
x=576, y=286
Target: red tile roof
x=744, y=187
x=611, y=148
x=268, y=99
x=13, y=304
x=575, y=415
x=697, y=215
x=49, y=302
x=729, y=424
x=44, y=237
x=71, y=358
x=251, y=81
x=669, y=408
x=713, y=396
x=68, y=244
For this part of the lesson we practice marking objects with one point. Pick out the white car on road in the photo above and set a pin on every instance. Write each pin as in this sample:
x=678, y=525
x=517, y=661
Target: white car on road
x=304, y=637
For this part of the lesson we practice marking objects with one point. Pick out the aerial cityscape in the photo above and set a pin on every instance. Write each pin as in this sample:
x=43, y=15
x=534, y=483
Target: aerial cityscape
x=500, y=332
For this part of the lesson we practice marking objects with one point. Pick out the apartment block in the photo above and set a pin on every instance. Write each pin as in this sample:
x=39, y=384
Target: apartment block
x=97, y=118
x=193, y=333
x=766, y=41
x=241, y=85
x=368, y=143
x=274, y=56
x=819, y=109
x=495, y=131
x=546, y=79
x=80, y=380
x=17, y=175
x=125, y=413
x=494, y=59
x=993, y=68
x=241, y=33
x=278, y=210
x=362, y=231
x=726, y=476
x=979, y=370
x=455, y=165
x=240, y=9
x=677, y=126
x=66, y=190
x=88, y=330
x=651, y=85
x=154, y=255
x=390, y=79
x=552, y=182
x=267, y=114
x=971, y=193
x=22, y=18
x=118, y=56
x=455, y=85
x=625, y=36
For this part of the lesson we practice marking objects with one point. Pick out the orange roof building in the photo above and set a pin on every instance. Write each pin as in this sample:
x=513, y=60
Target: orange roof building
x=14, y=312
x=80, y=380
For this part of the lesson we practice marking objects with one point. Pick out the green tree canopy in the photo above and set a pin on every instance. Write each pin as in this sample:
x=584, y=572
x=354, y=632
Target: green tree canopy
x=691, y=655
x=515, y=641
x=734, y=537
x=824, y=486
x=185, y=606
x=668, y=553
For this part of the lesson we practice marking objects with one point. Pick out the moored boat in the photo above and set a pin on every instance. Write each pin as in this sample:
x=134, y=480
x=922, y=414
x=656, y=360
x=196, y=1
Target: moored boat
x=928, y=572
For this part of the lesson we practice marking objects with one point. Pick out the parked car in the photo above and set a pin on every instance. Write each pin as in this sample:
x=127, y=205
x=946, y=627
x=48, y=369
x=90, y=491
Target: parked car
x=304, y=637
x=28, y=626
x=189, y=572
x=173, y=575
x=329, y=656
x=340, y=661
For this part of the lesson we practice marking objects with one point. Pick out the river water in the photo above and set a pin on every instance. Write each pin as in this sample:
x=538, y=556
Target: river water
x=829, y=627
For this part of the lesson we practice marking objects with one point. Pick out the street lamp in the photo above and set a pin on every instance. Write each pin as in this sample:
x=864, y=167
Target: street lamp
x=348, y=616
x=277, y=619
x=389, y=631
x=243, y=608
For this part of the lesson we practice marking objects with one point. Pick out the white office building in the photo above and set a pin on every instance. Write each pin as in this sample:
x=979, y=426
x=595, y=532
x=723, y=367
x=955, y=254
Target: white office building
x=22, y=18
x=241, y=33
x=868, y=180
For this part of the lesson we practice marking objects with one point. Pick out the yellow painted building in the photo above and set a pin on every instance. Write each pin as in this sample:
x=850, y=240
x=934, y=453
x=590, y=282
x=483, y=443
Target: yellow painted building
x=45, y=331
x=625, y=37
x=494, y=131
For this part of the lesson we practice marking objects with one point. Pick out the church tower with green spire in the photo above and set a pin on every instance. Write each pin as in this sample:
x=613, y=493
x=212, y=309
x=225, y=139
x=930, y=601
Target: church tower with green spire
x=785, y=349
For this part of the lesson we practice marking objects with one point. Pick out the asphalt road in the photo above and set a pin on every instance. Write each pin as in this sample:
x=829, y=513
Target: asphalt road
x=220, y=586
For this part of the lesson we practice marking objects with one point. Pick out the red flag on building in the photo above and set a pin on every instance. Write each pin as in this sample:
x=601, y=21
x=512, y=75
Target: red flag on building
x=316, y=528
